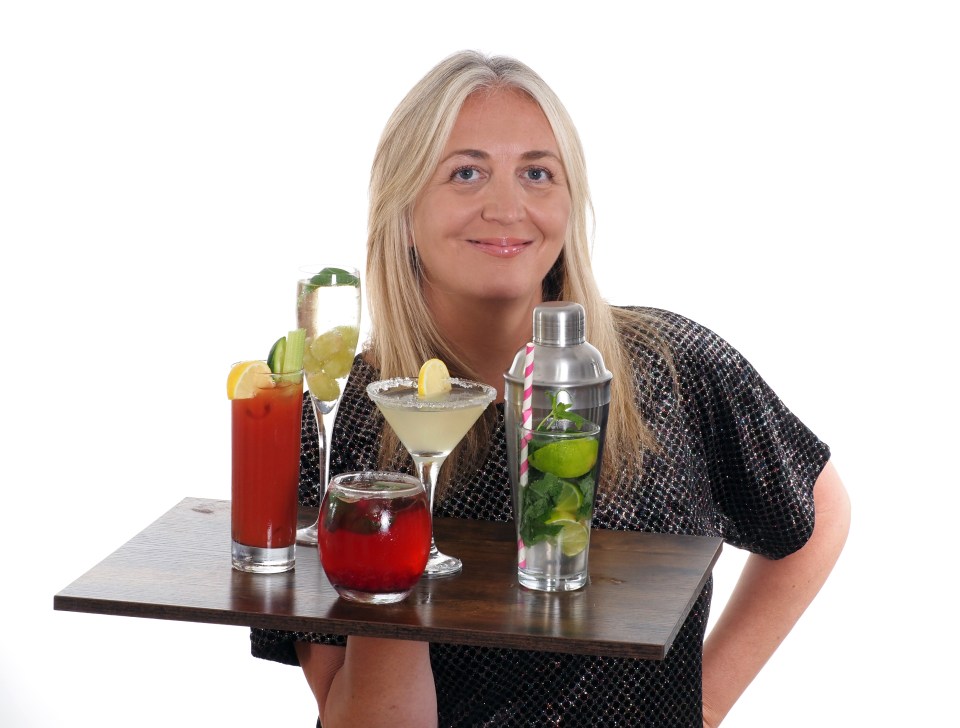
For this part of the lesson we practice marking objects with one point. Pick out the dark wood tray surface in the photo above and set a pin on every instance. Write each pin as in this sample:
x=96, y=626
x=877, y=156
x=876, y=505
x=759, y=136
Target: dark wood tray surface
x=641, y=588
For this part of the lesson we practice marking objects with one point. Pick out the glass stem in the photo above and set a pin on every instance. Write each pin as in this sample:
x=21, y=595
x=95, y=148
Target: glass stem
x=326, y=413
x=323, y=465
x=428, y=470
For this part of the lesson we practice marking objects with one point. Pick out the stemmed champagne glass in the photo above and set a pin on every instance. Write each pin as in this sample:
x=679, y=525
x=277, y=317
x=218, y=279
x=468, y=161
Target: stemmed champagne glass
x=429, y=429
x=328, y=307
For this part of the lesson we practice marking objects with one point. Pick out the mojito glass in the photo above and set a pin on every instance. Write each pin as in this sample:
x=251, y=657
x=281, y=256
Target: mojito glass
x=554, y=489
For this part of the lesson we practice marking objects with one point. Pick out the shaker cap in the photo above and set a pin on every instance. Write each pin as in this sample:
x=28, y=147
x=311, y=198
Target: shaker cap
x=558, y=323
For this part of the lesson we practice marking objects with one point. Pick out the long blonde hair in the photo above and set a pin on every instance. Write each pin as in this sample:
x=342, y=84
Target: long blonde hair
x=406, y=158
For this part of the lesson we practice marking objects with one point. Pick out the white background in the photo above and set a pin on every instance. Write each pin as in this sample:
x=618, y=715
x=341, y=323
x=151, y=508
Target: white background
x=785, y=173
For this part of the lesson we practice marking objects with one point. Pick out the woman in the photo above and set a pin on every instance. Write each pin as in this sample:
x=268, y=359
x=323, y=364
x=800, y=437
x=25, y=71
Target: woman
x=478, y=212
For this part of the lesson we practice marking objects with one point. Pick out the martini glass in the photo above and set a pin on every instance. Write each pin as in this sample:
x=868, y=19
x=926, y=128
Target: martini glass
x=430, y=428
x=328, y=307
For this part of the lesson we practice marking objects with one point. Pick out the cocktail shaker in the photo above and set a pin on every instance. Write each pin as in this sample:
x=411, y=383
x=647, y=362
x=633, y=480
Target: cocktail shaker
x=565, y=366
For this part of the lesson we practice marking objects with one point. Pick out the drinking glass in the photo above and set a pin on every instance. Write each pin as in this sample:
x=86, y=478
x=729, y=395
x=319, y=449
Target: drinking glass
x=374, y=535
x=554, y=489
x=265, y=435
x=429, y=429
x=328, y=308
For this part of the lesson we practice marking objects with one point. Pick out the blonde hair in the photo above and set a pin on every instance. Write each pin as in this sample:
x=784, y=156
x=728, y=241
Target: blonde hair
x=407, y=156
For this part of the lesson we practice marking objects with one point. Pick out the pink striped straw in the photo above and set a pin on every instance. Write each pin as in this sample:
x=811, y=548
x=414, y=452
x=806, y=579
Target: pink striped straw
x=527, y=421
x=526, y=411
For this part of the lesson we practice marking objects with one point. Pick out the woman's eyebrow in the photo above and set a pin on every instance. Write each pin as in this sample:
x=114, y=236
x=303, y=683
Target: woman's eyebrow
x=474, y=153
x=480, y=154
x=539, y=154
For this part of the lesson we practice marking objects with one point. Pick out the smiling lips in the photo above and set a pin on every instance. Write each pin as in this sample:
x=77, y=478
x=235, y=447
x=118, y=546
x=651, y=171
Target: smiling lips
x=501, y=247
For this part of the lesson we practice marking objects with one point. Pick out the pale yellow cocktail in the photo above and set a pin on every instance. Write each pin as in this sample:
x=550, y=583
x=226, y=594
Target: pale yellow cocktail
x=429, y=428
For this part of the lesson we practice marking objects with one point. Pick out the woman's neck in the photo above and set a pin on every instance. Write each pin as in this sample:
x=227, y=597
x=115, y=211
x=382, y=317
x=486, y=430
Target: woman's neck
x=486, y=334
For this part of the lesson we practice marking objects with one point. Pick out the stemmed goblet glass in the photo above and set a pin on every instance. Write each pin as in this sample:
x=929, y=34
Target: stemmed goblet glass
x=328, y=307
x=429, y=429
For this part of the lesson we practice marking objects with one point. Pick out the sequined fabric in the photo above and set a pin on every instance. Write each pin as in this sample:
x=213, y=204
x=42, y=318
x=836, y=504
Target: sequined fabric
x=733, y=462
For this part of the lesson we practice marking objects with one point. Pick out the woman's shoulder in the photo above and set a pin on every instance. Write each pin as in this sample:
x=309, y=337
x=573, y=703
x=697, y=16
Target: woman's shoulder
x=672, y=335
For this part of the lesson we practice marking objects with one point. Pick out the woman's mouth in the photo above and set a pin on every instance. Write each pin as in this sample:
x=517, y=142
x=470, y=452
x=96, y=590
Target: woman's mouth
x=501, y=247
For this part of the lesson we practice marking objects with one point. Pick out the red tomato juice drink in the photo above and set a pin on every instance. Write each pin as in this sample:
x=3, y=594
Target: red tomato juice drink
x=266, y=470
x=374, y=535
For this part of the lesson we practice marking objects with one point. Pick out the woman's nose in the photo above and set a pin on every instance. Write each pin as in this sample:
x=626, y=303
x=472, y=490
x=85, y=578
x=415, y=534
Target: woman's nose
x=503, y=201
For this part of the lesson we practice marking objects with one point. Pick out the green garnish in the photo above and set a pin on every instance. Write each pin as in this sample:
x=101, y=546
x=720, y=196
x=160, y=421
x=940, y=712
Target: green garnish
x=334, y=277
x=293, y=357
x=276, y=356
x=286, y=354
x=539, y=499
x=560, y=412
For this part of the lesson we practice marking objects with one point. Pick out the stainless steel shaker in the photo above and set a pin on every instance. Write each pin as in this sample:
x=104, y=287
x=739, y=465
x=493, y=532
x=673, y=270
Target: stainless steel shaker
x=564, y=365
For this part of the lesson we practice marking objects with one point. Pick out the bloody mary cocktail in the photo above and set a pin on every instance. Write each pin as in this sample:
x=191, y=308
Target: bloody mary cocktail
x=266, y=469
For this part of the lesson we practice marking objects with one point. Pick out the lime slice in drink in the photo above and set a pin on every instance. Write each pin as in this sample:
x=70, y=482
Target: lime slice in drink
x=573, y=538
x=566, y=458
x=573, y=535
x=570, y=499
x=560, y=518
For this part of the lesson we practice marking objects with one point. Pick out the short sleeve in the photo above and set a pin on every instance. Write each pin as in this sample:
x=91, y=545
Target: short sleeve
x=761, y=460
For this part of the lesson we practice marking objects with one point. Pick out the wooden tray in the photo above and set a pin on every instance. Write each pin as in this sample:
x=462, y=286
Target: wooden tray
x=641, y=588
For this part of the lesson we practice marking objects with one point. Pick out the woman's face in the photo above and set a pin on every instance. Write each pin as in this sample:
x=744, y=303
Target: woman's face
x=491, y=221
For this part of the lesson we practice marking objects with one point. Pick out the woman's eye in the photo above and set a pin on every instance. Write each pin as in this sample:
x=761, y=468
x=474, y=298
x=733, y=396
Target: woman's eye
x=538, y=174
x=464, y=174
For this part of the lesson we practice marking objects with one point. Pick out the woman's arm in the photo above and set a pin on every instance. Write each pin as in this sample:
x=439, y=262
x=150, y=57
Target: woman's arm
x=372, y=682
x=768, y=600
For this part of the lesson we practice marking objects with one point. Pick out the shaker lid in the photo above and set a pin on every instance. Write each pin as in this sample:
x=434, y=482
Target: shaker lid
x=558, y=323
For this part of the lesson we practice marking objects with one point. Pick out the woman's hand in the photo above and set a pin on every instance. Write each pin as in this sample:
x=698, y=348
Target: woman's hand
x=769, y=599
x=372, y=682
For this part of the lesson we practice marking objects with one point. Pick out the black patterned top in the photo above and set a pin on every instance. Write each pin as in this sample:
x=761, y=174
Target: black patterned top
x=733, y=462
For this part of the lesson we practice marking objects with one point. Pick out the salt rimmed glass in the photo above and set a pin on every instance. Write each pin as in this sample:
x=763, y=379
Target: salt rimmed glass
x=429, y=429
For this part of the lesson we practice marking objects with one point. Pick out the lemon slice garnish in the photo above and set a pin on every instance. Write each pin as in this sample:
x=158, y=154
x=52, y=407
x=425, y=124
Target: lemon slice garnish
x=246, y=377
x=433, y=380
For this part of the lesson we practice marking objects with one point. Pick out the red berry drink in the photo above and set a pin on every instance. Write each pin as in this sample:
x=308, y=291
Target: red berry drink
x=374, y=535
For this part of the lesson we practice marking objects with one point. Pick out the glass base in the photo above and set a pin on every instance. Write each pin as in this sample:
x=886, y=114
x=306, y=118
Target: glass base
x=442, y=565
x=263, y=561
x=355, y=595
x=308, y=536
x=552, y=583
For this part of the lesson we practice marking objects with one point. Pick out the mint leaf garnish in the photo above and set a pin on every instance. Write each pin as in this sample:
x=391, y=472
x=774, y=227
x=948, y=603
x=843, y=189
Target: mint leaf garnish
x=334, y=277
x=560, y=412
